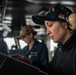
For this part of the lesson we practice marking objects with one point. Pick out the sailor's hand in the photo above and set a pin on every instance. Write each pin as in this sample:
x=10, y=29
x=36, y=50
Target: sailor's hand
x=22, y=58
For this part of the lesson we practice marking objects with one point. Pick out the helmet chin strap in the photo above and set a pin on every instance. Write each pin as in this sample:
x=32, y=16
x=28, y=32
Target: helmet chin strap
x=72, y=21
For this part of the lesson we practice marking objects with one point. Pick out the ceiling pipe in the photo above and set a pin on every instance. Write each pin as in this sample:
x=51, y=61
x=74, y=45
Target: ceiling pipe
x=4, y=11
x=53, y=2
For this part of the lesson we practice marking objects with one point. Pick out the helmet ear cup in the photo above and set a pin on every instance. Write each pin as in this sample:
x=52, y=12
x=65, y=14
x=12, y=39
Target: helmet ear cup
x=72, y=21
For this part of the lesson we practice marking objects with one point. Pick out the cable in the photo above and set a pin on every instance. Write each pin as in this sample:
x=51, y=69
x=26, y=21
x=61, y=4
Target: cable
x=3, y=63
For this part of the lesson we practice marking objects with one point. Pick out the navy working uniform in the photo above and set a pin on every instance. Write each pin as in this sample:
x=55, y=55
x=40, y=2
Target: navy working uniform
x=64, y=60
x=3, y=47
x=39, y=52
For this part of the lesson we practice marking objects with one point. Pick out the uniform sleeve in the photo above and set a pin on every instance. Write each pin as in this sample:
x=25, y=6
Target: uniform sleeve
x=3, y=47
x=44, y=55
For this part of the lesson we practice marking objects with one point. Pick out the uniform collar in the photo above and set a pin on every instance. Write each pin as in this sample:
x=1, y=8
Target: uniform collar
x=70, y=42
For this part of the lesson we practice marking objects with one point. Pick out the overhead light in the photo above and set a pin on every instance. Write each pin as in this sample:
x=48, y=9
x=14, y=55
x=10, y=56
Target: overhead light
x=42, y=12
x=68, y=2
x=6, y=29
x=7, y=21
x=8, y=18
x=28, y=16
x=53, y=2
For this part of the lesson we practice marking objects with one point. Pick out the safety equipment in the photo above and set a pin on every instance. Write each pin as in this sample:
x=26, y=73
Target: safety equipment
x=72, y=21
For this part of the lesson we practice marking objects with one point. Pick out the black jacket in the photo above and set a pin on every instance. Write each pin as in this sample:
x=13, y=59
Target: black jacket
x=64, y=60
